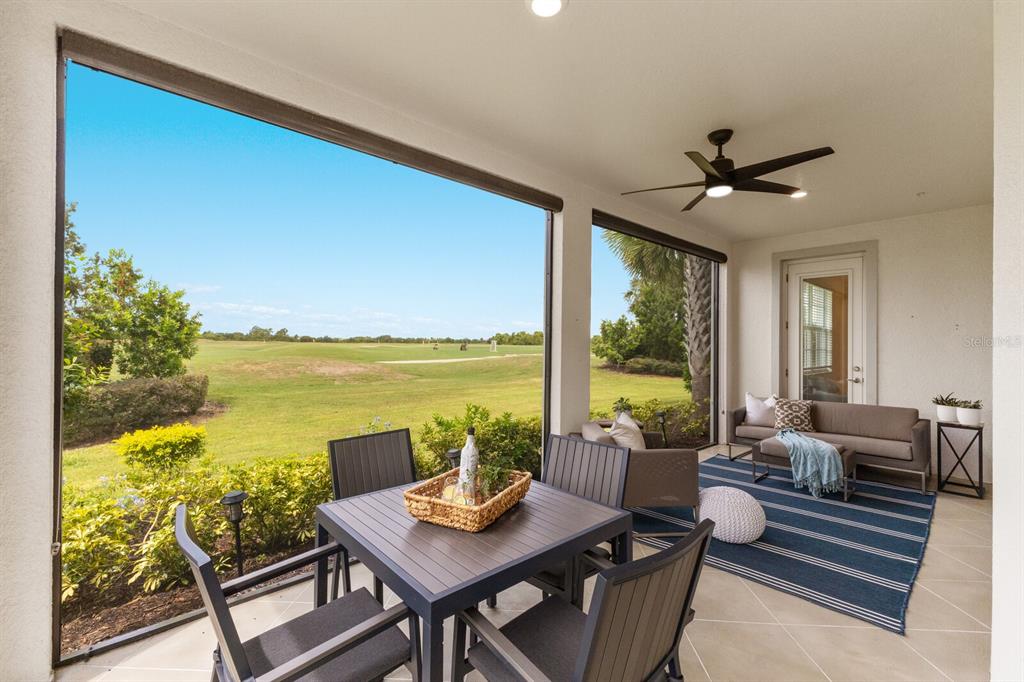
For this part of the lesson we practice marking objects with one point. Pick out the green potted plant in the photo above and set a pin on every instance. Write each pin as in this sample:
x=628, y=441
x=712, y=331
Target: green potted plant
x=945, y=406
x=623, y=406
x=968, y=412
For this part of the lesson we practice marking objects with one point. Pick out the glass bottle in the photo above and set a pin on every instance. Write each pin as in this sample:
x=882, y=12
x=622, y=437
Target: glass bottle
x=467, y=467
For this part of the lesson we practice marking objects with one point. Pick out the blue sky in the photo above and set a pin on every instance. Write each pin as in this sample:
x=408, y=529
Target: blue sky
x=265, y=226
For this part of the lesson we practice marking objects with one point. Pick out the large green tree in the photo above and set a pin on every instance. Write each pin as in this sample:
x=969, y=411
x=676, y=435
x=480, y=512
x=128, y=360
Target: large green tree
x=682, y=275
x=113, y=316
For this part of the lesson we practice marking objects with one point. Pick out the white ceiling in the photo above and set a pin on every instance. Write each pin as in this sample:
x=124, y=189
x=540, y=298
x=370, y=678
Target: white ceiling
x=613, y=93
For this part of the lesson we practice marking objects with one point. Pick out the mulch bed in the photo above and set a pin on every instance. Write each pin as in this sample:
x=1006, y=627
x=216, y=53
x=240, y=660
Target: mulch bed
x=94, y=616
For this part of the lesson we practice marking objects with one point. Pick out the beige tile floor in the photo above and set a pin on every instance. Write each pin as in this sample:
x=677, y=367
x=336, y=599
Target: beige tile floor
x=743, y=631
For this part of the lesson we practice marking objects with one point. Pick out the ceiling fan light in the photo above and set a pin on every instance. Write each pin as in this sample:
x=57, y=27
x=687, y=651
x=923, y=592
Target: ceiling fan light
x=719, y=191
x=546, y=8
x=799, y=194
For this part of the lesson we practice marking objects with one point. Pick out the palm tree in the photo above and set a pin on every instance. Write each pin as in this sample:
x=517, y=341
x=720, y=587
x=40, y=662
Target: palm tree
x=656, y=263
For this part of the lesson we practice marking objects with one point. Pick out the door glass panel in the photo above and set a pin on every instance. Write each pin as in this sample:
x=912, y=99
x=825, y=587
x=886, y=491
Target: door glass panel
x=824, y=331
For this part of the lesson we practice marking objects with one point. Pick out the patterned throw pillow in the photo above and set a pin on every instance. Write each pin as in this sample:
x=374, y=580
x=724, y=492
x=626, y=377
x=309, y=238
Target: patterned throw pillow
x=793, y=414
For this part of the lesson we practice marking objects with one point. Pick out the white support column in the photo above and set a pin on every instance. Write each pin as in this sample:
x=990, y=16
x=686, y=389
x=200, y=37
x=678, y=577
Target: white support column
x=1008, y=344
x=27, y=172
x=570, y=303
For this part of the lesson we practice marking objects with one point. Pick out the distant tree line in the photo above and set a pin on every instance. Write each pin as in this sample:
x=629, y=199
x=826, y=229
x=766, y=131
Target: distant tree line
x=257, y=333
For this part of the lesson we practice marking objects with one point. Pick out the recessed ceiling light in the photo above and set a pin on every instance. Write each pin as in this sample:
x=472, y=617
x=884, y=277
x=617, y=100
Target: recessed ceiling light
x=799, y=194
x=546, y=8
x=719, y=191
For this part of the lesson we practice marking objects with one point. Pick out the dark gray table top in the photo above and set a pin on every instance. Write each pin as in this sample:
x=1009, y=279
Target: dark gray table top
x=439, y=569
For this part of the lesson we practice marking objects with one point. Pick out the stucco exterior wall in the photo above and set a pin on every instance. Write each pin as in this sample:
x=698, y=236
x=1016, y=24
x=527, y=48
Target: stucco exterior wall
x=1008, y=355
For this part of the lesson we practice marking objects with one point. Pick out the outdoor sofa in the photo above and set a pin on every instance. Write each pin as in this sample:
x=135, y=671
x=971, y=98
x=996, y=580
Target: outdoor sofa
x=893, y=438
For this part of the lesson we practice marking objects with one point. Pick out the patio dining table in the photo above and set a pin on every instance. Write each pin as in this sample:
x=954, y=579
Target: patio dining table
x=439, y=571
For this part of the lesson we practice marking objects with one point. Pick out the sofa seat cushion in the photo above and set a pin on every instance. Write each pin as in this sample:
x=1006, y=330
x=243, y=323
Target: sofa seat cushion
x=880, y=447
x=755, y=432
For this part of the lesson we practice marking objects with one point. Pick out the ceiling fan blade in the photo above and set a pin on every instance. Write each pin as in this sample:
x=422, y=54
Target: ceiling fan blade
x=764, y=186
x=757, y=169
x=655, y=189
x=704, y=164
x=694, y=202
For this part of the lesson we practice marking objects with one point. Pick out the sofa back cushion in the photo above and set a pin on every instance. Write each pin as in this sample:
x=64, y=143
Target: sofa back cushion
x=872, y=421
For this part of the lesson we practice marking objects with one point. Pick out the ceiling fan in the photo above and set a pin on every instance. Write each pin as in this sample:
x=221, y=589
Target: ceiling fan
x=721, y=177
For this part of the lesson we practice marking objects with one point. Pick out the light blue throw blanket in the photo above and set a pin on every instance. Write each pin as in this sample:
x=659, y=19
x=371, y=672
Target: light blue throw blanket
x=816, y=464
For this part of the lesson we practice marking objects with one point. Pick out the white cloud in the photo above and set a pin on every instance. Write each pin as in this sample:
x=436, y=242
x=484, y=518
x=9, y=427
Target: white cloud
x=200, y=288
x=240, y=309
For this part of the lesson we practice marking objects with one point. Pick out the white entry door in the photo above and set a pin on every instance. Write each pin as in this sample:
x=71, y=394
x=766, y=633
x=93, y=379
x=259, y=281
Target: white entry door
x=825, y=329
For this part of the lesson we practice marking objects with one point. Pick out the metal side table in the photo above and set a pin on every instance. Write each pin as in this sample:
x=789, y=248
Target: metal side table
x=977, y=442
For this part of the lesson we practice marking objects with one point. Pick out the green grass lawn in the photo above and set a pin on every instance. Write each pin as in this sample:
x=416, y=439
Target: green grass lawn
x=291, y=398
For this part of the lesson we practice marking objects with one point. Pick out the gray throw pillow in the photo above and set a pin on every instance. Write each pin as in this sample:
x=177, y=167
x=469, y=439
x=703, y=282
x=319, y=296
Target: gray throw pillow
x=793, y=414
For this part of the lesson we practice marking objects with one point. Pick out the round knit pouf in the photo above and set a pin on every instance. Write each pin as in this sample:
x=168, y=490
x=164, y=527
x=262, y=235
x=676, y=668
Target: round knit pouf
x=738, y=517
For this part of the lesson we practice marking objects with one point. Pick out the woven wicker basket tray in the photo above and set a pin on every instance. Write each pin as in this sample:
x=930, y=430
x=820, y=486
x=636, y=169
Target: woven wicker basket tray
x=424, y=503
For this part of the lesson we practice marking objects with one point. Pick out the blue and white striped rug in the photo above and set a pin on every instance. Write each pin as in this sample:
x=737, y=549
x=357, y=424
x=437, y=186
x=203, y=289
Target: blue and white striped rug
x=858, y=557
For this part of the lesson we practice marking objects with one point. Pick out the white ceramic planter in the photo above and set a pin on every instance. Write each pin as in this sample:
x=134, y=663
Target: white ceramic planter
x=946, y=413
x=968, y=416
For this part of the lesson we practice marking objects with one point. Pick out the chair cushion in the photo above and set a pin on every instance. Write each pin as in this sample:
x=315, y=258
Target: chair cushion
x=372, y=659
x=549, y=634
x=755, y=432
x=793, y=414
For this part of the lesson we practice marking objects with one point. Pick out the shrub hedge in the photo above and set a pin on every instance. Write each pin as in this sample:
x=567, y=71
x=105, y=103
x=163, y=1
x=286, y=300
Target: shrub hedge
x=108, y=410
x=515, y=441
x=685, y=421
x=162, y=448
x=123, y=530
x=642, y=365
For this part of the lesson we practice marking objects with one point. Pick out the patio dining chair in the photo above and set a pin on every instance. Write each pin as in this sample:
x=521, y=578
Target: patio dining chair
x=351, y=638
x=366, y=464
x=632, y=632
x=592, y=470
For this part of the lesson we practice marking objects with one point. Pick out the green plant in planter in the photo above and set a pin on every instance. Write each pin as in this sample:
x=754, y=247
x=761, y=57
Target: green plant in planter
x=622, y=405
x=948, y=400
x=970, y=404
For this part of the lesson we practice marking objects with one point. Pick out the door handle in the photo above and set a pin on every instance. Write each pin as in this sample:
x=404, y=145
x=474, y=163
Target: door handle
x=855, y=380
